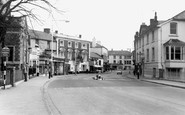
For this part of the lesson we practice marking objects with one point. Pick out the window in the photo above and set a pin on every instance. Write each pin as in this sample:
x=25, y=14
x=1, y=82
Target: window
x=139, y=43
x=167, y=53
x=153, y=36
x=69, y=55
x=153, y=54
x=37, y=41
x=176, y=53
x=120, y=57
x=172, y=53
x=114, y=57
x=84, y=46
x=120, y=61
x=147, y=42
x=61, y=43
x=48, y=44
x=11, y=56
x=76, y=44
x=173, y=28
x=114, y=61
x=69, y=44
x=147, y=53
x=143, y=41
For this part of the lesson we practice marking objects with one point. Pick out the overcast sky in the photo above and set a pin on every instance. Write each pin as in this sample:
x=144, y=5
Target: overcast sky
x=113, y=22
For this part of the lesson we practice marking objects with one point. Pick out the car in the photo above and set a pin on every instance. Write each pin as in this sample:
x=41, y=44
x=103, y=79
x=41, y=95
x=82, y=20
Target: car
x=119, y=72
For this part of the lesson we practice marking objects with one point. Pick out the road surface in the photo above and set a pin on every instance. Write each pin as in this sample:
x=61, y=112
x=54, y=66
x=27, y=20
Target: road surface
x=116, y=95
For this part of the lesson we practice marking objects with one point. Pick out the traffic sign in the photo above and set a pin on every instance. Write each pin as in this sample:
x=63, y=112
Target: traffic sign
x=5, y=51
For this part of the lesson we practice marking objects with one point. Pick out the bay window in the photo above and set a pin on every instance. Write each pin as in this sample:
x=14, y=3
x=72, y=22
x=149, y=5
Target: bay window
x=174, y=53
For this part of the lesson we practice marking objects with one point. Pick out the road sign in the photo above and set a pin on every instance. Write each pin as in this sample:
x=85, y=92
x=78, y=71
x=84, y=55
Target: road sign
x=5, y=51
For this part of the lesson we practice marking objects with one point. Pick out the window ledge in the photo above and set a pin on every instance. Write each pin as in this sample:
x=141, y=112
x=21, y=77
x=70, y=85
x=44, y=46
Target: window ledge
x=173, y=35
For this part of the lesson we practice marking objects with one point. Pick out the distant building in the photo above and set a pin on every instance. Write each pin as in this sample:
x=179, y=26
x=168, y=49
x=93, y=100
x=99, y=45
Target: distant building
x=99, y=55
x=120, y=59
x=74, y=51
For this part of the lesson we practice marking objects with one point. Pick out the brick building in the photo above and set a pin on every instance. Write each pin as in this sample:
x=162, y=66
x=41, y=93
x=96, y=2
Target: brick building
x=16, y=40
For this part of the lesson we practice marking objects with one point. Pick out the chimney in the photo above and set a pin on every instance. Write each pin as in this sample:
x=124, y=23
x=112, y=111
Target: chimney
x=47, y=30
x=155, y=18
x=151, y=21
x=80, y=36
x=56, y=31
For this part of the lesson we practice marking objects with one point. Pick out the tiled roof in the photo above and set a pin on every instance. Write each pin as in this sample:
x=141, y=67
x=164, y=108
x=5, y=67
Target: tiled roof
x=119, y=52
x=39, y=35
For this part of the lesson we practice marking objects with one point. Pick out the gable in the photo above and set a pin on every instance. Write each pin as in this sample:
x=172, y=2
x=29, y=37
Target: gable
x=180, y=16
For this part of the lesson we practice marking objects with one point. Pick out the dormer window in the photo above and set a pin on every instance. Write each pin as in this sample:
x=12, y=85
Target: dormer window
x=173, y=28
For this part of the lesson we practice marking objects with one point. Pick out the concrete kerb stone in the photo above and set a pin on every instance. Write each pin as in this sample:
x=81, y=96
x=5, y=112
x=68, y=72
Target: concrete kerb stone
x=145, y=80
x=9, y=86
x=163, y=83
x=51, y=107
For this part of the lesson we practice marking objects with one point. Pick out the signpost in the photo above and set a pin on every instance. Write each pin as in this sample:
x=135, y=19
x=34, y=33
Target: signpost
x=5, y=54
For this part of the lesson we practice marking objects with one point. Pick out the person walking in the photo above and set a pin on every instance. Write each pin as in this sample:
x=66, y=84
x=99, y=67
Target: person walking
x=138, y=73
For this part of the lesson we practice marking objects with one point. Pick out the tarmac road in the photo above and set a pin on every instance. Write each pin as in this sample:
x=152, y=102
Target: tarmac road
x=116, y=95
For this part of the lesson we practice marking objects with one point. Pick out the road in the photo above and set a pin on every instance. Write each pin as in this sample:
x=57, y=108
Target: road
x=116, y=95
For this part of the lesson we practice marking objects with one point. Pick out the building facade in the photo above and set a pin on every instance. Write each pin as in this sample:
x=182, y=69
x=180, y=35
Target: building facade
x=74, y=51
x=159, y=48
x=16, y=40
x=120, y=59
x=99, y=55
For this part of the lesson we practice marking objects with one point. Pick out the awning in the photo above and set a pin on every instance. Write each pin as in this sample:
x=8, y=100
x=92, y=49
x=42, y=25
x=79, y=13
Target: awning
x=174, y=42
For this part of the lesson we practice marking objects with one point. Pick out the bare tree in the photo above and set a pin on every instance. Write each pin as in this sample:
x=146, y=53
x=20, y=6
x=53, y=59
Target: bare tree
x=20, y=7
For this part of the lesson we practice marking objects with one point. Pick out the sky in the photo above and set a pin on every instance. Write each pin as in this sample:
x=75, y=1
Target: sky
x=112, y=22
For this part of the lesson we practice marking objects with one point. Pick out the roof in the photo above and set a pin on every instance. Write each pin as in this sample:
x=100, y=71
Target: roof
x=119, y=52
x=69, y=37
x=39, y=35
x=174, y=42
x=100, y=46
x=95, y=55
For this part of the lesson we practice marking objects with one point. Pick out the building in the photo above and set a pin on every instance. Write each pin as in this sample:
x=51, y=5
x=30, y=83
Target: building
x=74, y=51
x=39, y=42
x=16, y=39
x=99, y=55
x=120, y=59
x=159, y=48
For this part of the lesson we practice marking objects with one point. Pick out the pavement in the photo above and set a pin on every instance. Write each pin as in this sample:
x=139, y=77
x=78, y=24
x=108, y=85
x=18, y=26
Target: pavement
x=29, y=98
x=177, y=84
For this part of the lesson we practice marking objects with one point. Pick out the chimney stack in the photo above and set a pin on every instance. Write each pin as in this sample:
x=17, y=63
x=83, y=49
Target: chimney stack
x=47, y=30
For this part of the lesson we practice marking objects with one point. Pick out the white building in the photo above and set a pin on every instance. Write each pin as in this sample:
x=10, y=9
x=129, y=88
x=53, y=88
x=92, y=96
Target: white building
x=160, y=48
x=120, y=59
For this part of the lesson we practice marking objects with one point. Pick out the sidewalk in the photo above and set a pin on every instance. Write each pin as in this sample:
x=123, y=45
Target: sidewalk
x=24, y=99
x=162, y=82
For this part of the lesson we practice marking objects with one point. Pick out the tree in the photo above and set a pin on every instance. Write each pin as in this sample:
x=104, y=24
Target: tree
x=22, y=9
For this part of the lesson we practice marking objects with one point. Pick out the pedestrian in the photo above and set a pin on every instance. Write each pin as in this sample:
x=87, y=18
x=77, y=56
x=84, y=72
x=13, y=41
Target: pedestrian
x=50, y=72
x=138, y=73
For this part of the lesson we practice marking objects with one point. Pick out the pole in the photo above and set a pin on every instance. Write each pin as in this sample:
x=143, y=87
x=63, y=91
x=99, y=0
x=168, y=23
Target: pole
x=4, y=73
